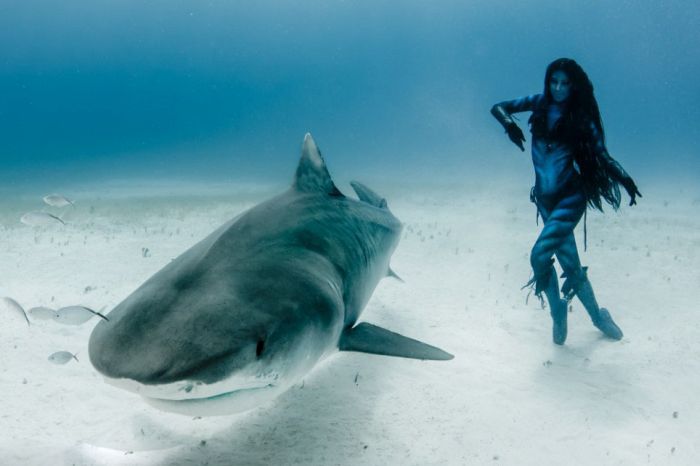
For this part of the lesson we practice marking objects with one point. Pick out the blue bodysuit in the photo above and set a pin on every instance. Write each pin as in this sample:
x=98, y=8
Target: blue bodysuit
x=558, y=193
x=573, y=170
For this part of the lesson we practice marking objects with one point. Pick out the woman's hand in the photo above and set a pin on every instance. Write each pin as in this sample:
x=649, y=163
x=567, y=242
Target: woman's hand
x=515, y=134
x=631, y=188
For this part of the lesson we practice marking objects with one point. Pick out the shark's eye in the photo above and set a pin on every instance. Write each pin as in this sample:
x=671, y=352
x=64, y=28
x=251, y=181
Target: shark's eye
x=260, y=348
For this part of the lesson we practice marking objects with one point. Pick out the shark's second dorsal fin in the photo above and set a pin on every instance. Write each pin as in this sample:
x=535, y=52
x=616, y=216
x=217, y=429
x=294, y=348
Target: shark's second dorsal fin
x=365, y=194
x=368, y=338
x=312, y=174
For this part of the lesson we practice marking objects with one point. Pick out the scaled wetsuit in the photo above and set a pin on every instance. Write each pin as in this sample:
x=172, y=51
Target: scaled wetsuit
x=561, y=201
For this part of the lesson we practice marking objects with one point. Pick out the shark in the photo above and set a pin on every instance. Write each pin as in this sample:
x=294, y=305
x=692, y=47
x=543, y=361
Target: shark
x=247, y=312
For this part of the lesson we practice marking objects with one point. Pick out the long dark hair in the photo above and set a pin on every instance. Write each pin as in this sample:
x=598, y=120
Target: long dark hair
x=580, y=112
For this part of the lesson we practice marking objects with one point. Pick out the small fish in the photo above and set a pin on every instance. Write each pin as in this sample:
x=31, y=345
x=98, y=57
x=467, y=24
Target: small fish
x=56, y=200
x=42, y=313
x=14, y=306
x=37, y=219
x=62, y=357
x=76, y=315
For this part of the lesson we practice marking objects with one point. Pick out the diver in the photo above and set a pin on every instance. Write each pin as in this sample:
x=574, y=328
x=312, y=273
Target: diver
x=573, y=171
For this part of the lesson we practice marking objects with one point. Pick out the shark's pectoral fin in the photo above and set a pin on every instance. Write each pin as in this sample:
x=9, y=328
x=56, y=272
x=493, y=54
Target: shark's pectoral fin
x=312, y=174
x=365, y=194
x=368, y=338
x=391, y=273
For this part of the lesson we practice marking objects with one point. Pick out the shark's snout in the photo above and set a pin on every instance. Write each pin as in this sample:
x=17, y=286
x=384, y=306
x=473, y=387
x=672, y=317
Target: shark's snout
x=186, y=376
x=139, y=346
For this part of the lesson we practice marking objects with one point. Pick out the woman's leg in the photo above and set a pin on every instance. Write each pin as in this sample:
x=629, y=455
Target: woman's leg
x=556, y=238
x=568, y=258
x=577, y=283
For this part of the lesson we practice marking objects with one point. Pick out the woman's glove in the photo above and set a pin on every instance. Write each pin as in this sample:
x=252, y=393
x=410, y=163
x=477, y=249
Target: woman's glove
x=631, y=188
x=515, y=134
x=622, y=177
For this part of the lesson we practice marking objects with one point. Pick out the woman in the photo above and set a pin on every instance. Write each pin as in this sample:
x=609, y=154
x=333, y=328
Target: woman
x=573, y=170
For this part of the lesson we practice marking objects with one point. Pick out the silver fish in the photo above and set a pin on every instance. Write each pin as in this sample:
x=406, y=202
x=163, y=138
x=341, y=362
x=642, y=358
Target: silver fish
x=62, y=357
x=42, y=313
x=76, y=315
x=14, y=306
x=38, y=219
x=56, y=200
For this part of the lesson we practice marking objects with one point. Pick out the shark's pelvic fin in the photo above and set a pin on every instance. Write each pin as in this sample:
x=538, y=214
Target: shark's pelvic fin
x=367, y=195
x=312, y=174
x=391, y=273
x=368, y=338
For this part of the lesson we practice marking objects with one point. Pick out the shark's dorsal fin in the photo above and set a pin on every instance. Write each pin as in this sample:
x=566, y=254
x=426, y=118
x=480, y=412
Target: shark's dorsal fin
x=312, y=174
x=368, y=338
x=367, y=195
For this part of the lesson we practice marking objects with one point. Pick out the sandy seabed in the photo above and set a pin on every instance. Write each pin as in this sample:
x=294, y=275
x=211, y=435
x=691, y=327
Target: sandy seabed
x=509, y=397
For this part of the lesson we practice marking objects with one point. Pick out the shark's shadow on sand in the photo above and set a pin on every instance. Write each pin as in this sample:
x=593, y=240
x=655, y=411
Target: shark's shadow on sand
x=308, y=424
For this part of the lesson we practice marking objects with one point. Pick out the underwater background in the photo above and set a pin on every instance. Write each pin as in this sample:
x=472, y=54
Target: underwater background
x=164, y=119
x=220, y=90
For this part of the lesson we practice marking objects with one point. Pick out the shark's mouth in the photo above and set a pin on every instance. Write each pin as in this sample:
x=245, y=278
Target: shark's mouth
x=235, y=401
x=233, y=395
x=229, y=394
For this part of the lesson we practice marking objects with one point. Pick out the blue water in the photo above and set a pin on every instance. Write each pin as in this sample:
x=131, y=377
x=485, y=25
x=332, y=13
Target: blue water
x=95, y=89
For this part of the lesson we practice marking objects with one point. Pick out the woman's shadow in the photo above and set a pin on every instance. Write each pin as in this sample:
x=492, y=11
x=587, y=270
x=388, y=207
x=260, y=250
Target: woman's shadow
x=594, y=374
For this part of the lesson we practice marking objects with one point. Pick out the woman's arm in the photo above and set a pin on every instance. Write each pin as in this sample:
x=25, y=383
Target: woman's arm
x=503, y=112
x=506, y=108
x=612, y=166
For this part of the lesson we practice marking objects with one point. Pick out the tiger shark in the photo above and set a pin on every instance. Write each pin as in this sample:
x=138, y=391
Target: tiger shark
x=248, y=311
